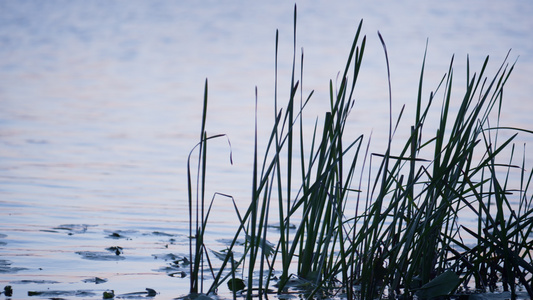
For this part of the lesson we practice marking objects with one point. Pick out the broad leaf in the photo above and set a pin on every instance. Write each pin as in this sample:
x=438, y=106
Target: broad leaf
x=441, y=285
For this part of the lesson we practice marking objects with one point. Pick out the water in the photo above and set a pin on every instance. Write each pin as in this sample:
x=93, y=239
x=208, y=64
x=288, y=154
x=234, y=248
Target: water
x=100, y=104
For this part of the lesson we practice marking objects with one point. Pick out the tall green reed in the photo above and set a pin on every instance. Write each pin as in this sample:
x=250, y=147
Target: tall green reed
x=411, y=230
x=199, y=210
x=401, y=233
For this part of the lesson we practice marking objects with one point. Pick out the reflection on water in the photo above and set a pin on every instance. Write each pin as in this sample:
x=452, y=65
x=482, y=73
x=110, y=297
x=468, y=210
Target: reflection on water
x=100, y=104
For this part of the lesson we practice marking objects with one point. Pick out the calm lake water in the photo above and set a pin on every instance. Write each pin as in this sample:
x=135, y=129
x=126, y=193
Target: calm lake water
x=100, y=105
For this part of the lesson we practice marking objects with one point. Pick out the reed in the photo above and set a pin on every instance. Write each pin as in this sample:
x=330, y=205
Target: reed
x=398, y=235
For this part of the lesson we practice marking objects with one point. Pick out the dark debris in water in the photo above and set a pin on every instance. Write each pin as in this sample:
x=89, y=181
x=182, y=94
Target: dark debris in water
x=115, y=249
x=194, y=296
x=54, y=294
x=160, y=233
x=27, y=281
x=149, y=293
x=95, y=280
x=277, y=226
x=101, y=256
x=168, y=269
x=174, y=268
x=170, y=256
x=116, y=235
x=72, y=228
x=5, y=267
x=236, y=284
x=119, y=234
x=228, y=242
x=8, y=291
x=109, y=294
x=49, y=230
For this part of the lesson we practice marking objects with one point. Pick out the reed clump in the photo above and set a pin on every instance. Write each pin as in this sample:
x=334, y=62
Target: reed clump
x=397, y=235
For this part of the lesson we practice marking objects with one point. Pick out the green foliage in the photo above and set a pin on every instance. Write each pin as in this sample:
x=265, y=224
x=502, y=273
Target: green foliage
x=236, y=284
x=441, y=285
x=399, y=235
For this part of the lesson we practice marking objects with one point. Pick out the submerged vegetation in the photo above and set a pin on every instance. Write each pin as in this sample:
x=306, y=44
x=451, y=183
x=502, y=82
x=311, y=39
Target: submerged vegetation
x=359, y=225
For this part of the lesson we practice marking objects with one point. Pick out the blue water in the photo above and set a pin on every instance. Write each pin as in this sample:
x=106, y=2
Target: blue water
x=100, y=104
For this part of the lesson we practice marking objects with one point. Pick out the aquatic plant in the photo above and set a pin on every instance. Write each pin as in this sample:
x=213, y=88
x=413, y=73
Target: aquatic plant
x=400, y=234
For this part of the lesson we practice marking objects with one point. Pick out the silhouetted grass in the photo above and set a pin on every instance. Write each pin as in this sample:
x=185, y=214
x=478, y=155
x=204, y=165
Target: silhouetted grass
x=401, y=234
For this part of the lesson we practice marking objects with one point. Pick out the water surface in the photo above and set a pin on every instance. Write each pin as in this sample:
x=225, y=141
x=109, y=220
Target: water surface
x=100, y=104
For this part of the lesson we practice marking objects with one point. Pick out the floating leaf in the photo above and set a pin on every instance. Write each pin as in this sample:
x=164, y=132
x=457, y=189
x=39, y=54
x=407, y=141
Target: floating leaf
x=116, y=235
x=56, y=294
x=119, y=234
x=6, y=268
x=115, y=249
x=109, y=294
x=159, y=233
x=441, y=285
x=149, y=293
x=29, y=281
x=73, y=228
x=278, y=226
x=102, y=256
x=8, y=291
x=169, y=256
x=195, y=296
x=236, y=284
x=96, y=280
